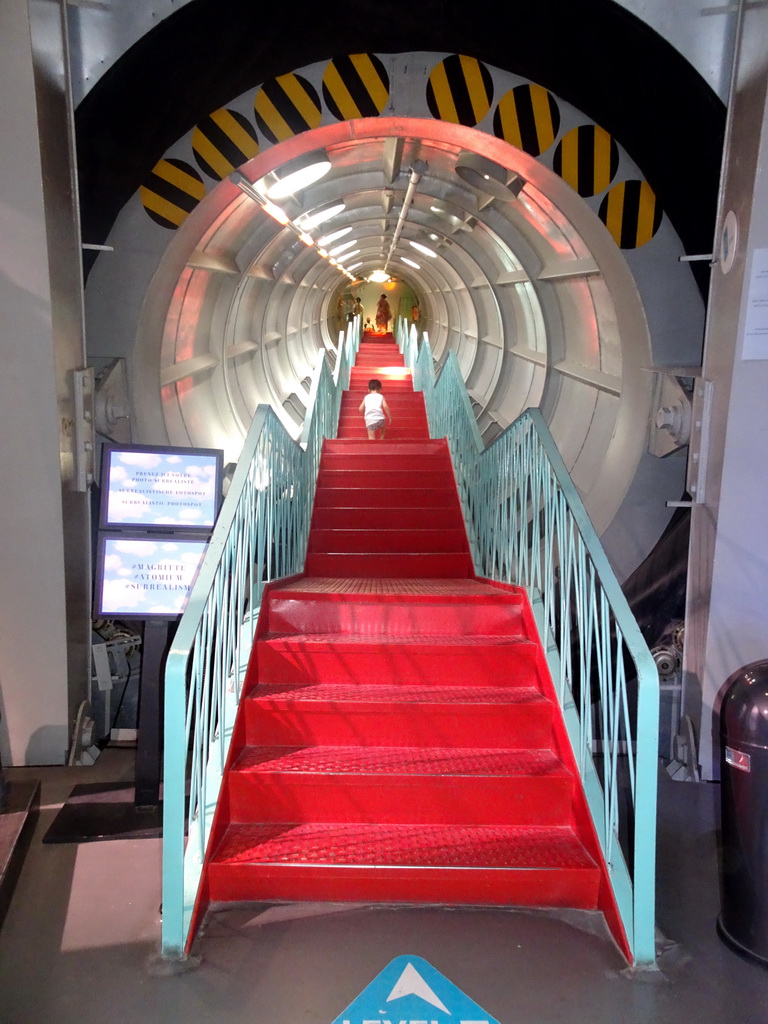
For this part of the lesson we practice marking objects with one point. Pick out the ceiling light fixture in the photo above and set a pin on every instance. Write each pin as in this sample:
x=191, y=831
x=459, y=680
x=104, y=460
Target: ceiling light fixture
x=320, y=215
x=349, y=255
x=378, y=276
x=342, y=247
x=334, y=235
x=297, y=174
x=488, y=177
x=355, y=265
x=423, y=248
x=247, y=186
x=411, y=263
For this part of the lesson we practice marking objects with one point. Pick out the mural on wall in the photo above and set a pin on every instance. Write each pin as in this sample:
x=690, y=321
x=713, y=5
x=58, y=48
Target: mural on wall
x=458, y=89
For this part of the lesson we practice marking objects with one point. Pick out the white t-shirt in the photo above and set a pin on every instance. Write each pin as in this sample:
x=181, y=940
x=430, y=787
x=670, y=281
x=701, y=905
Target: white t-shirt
x=373, y=413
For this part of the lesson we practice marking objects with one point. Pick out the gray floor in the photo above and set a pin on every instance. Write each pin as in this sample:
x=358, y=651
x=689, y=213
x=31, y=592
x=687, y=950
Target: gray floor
x=84, y=923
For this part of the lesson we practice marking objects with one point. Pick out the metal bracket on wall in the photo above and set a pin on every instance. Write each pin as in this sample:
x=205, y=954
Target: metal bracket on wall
x=671, y=418
x=699, y=442
x=84, y=433
x=112, y=403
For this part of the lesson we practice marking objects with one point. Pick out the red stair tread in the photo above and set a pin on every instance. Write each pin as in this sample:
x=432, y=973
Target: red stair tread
x=417, y=845
x=407, y=693
x=427, y=446
x=413, y=761
x=448, y=587
x=341, y=641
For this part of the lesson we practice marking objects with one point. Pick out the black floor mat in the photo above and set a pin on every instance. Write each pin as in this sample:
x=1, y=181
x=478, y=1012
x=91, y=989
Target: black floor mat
x=98, y=811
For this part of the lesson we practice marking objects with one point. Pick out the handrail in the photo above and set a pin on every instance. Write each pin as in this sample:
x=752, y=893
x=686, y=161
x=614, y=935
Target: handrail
x=528, y=525
x=260, y=535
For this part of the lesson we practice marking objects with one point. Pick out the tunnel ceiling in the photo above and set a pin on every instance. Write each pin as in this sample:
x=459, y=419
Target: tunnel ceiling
x=521, y=280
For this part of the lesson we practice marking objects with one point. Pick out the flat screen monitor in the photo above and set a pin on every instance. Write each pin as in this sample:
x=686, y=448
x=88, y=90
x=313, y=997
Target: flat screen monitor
x=143, y=576
x=160, y=488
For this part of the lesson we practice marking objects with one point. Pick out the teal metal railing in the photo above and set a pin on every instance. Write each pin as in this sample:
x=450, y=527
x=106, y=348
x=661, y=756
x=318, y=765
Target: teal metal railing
x=527, y=525
x=260, y=535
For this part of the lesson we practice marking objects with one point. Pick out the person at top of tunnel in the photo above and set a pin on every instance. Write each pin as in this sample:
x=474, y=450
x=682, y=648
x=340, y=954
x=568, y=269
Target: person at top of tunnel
x=383, y=314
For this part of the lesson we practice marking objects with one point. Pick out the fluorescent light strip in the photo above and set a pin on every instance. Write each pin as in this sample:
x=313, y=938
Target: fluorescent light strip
x=424, y=249
x=299, y=179
x=313, y=219
x=334, y=236
x=341, y=248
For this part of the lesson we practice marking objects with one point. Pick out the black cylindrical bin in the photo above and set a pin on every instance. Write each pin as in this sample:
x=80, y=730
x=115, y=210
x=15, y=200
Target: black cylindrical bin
x=743, y=921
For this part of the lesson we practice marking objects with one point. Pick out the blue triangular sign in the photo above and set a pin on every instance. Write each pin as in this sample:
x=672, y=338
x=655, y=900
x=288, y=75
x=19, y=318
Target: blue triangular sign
x=411, y=991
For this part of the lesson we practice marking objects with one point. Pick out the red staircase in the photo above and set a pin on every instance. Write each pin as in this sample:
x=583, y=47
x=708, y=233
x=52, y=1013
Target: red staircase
x=399, y=739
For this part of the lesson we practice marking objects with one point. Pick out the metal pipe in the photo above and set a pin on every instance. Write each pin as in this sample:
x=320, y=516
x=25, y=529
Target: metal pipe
x=414, y=177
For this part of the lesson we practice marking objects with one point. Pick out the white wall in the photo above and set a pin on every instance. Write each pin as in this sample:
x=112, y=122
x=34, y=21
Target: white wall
x=727, y=614
x=33, y=649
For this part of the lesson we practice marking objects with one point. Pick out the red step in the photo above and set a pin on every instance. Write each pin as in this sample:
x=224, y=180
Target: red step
x=379, y=358
x=428, y=565
x=380, y=480
x=358, y=658
x=299, y=610
x=381, y=541
x=390, y=497
x=354, y=783
x=396, y=462
x=342, y=714
x=409, y=449
x=404, y=864
x=375, y=518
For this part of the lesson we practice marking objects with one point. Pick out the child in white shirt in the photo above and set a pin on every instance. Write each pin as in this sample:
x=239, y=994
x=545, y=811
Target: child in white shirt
x=374, y=409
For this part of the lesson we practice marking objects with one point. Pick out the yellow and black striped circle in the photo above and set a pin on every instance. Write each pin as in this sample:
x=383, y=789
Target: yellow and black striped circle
x=355, y=86
x=587, y=158
x=287, y=106
x=224, y=141
x=460, y=90
x=172, y=192
x=527, y=117
x=631, y=213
